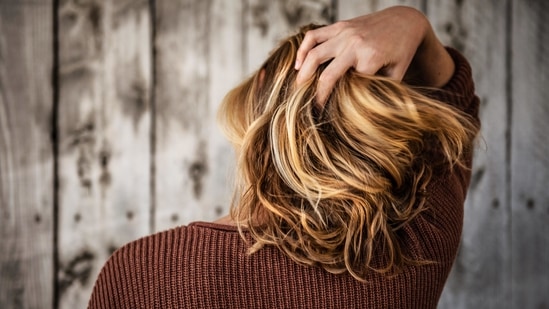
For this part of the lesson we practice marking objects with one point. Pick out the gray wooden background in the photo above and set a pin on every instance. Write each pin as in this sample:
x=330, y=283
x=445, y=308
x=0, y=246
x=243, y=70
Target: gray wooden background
x=107, y=133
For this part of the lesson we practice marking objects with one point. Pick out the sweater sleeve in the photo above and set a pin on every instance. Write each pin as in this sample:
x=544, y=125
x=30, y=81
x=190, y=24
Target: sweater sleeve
x=459, y=93
x=460, y=90
x=437, y=230
x=111, y=284
x=131, y=277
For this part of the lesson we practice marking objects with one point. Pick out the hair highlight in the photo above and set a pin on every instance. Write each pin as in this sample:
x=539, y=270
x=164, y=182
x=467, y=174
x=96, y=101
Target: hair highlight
x=331, y=187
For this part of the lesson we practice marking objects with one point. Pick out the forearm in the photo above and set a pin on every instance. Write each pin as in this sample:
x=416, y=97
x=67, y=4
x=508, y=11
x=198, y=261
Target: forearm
x=431, y=66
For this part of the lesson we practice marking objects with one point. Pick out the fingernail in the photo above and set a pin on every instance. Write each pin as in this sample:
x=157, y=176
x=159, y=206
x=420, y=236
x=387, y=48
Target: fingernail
x=297, y=64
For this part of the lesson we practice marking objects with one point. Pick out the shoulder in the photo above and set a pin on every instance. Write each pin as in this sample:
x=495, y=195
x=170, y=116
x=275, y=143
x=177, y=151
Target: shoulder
x=145, y=269
x=177, y=242
x=133, y=263
x=157, y=246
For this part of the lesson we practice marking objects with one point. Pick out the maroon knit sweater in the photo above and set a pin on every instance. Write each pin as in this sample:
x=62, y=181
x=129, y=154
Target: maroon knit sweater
x=205, y=265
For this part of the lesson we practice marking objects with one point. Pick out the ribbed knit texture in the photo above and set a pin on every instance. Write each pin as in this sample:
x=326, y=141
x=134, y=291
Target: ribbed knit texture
x=205, y=265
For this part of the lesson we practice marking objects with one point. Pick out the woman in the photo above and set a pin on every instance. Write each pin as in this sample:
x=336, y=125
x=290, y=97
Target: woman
x=354, y=146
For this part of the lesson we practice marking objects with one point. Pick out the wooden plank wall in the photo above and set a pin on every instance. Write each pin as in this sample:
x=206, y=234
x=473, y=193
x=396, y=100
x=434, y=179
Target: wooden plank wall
x=105, y=75
x=26, y=155
x=484, y=251
x=107, y=133
x=529, y=154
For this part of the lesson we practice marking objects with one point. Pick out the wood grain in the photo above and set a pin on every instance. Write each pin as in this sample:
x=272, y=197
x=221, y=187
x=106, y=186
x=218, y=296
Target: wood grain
x=182, y=110
x=199, y=59
x=529, y=152
x=347, y=9
x=267, y=22
x=26, y=155
x=104, y=137
x=226, y=70
x=480, y=277
x=120, y=140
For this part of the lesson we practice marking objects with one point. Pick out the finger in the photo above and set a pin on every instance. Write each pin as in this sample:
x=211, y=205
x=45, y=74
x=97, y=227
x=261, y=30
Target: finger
x=370, y=62
x=318, y=55
x=311, y=39
x=395, y=72
x=309, y=42
x=375, y=62
x=329, y=77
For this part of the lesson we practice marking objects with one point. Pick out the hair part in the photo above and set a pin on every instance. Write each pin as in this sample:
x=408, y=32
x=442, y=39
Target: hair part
x=332, y=187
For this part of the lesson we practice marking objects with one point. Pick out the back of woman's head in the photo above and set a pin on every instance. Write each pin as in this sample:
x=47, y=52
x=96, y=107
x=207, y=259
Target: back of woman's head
x=331, y=185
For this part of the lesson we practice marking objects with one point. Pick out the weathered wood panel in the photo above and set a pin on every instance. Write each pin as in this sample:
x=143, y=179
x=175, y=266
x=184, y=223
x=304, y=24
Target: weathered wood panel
x=204, y=48
x=480, y=277
x=347, y=9
x=199, y=58
x=181, y=97
x=104, y=137
x=226, y=70
x=26, y=155
x=530, y=154
x=270, y=21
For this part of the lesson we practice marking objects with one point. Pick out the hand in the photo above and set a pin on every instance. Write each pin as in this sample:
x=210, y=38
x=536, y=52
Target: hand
x=383, y=43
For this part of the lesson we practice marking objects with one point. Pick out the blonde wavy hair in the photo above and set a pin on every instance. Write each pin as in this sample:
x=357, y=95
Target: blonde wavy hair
x=331, y=186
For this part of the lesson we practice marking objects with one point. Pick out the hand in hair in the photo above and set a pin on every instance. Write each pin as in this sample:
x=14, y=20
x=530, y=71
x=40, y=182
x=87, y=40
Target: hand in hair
x=397, y=42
